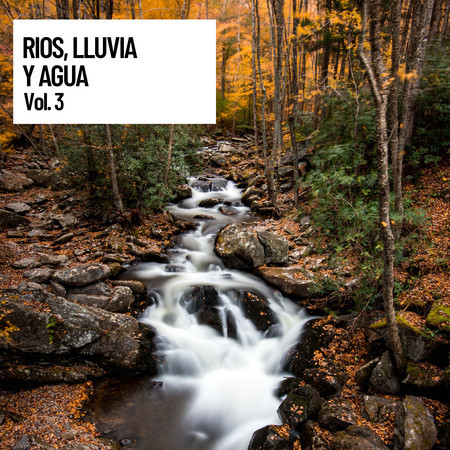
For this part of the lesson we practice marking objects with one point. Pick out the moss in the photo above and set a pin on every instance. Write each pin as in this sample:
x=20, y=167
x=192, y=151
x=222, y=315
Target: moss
x=439, y=317
x=401, y=322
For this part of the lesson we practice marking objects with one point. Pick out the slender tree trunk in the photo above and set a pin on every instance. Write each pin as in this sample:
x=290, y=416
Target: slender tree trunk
x=254, y=79
x=113, y=173
x=378, y=77
x=169, y=156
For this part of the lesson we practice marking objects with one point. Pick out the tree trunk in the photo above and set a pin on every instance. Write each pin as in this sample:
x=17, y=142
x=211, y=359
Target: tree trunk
x=169, y=156
x=113, y=173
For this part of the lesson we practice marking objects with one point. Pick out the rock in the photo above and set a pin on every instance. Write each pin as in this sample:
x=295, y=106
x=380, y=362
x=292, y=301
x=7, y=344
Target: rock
x=58, y=289
x=415, y=428
x=204, y=303
x=378, y=409
x=364, y=373
x=116, y=341
x=239, y=248
x=22, y=444
x=18, y=208
x=273, y=437
x=33, y=286
x=13, y=182
x=337, y=414
x=439, y=318
x=276, y=248
x=417, y=345
x=136, y=286
x=9, y=219
x=202, y=185
x=244, y=246
x=43, y=177
x=218, y=184
x=327, y=379
x=95, y=301
x=66, y=220
x=290, y=280
x=300, y=356
x=40, y=199
x=310, y=438
x=426, y=379
x=357, y=438
x=64, y=239
x=112, y=259
x=39, y=275
x=26, y=263
x=257, y=310
x=52, y=260
x=299, y=405
x=182, y=192
x=98, y=288
x=83, y=275
x=384, y=377
x=209, y=203
x=218, y=160
x=148, y=253
x=251, y=194
x=122, y=299
x=115, y=269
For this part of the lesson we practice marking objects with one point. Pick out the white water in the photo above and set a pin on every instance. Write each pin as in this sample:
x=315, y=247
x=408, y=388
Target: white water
x=231, y=382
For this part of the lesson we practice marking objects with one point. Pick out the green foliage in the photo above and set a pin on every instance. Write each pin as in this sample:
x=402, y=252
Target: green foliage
x=430, y=142
x=141, y=157
x=343, y=179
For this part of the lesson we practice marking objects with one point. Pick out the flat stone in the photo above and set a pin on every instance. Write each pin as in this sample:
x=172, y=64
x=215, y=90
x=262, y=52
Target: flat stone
x=83, y=275
x=136, y=286
x=39, y=275
x=18, y=207
x=9, y=219
x=26, y=263
x=13, y=182
x=64, y=239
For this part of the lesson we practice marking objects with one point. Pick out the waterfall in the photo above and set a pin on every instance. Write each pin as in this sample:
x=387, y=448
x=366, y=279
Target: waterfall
x=226, y=376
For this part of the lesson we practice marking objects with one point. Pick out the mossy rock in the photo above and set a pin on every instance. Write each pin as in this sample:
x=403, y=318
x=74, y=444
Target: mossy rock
x=439, y=317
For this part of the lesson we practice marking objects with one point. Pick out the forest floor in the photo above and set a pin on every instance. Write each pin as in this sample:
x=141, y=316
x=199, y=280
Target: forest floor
x=53, y=414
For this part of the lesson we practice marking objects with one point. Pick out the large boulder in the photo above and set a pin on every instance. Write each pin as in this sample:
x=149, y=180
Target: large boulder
x=13, y=182
x=45, y=326
x=310, y=437
x=337, y=414
x=83, y=275
x=44, y=177
x=40, y=275
x=8, y=219
x=329, y=378
x=300, y=404
x=243, y=246
x=357, y=438
x=293, y=281
x=415, y=428
x=378, y=409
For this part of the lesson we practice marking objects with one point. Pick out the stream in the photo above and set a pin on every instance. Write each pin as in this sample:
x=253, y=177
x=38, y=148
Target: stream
x=218, y=385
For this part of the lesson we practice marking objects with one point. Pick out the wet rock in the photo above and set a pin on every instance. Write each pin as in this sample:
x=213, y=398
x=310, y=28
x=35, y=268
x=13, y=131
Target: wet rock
x=122, y=299
x=64, y=239
x=357, y=438
x=383, y=379
x=290, y=280
x=328, y=379
x=39, y=275
x=337, y=414
x=273, y=437
x=218, y=184
x=251, y=194
x=439, y=318
x=18, y=207
x=66, y=220
x=310, y=438
x=300, y=356
x=201, y=185
x=83, y=275
x=427, y=379
x=98, y=288
x=287, y=385
x=182, y=192
x=257, y=310
x=26, y=263
x=148, y=253
x=364, y=373
x=44, y=177
x=116, y=341
x=9, y=219
x=209, y=203
x=13, y=182
x=136, y=286
x=378, y=409
x=299, y=405
x=415, y=428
